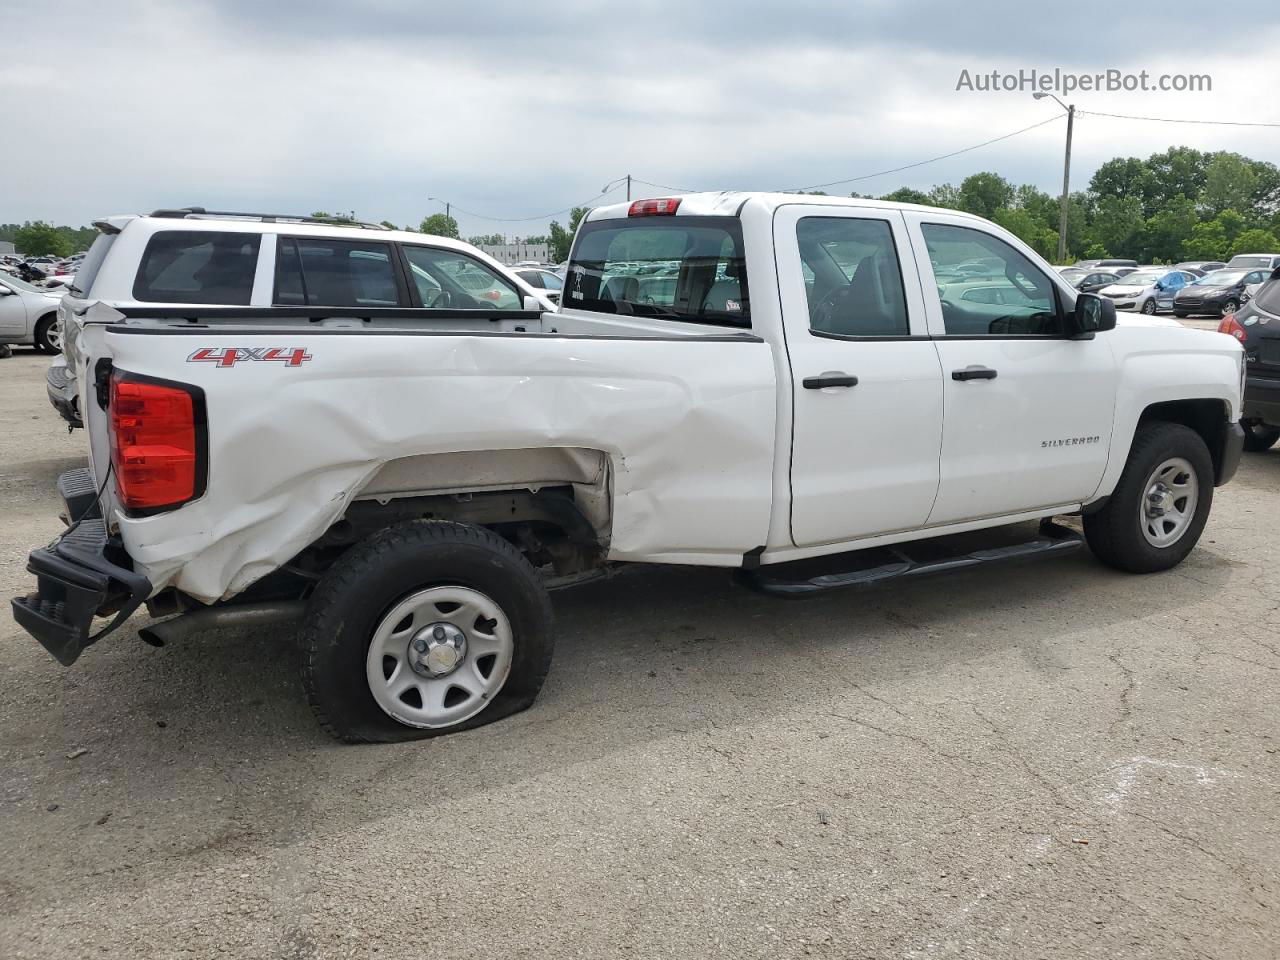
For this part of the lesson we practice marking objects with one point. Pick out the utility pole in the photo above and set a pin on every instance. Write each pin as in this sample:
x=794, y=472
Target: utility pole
x=1066, y=188
x=628, y=188
x=1066, y=175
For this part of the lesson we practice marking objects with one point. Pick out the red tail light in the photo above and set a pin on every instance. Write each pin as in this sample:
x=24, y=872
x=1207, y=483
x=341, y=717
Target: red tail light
x=1232, y=326
x=654, y=208
x=158, y=442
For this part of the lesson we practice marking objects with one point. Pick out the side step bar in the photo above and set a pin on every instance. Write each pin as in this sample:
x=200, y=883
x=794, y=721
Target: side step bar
x=1053, y=539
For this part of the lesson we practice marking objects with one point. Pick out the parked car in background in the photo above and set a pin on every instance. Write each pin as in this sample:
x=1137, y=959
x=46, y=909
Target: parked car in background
x=1109, y=262
x=544, y=279
x=1200, y=267
x=1218, y=293
x=195, y=257
x=1094, y=281
x=1267, y=261
x=60, y=384
x=1148, y=290
x=1257, y=326
x=29, y=315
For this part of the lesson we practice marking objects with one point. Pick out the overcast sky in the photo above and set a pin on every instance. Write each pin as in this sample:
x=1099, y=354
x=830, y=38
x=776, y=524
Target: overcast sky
x=517, y=110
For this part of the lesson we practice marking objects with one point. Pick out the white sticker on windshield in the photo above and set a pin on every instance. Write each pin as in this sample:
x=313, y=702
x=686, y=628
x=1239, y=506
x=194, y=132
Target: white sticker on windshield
x=733, y=306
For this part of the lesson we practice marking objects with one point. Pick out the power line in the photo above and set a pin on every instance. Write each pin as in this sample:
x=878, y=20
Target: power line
x=663, y=186
x=545, y=216
x=921, y=163
x=1217, y=123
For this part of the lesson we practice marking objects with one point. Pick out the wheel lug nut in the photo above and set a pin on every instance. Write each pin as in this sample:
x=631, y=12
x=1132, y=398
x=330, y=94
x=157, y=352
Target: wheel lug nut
x=438, y=633
x=419, y=645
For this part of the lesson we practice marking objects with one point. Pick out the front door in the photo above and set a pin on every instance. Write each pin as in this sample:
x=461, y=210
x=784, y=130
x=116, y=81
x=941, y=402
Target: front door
x=13, y=313
x=867, y=388
x=1028, y=411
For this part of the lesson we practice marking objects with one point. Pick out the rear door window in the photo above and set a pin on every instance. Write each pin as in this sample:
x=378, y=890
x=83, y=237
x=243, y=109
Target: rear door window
x=671, y=268
x=198, y=266
x=335, y=273
x=449, y=279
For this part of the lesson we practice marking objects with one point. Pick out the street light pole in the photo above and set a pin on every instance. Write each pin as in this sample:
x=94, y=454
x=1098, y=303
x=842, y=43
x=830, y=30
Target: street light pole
x=1066, y=175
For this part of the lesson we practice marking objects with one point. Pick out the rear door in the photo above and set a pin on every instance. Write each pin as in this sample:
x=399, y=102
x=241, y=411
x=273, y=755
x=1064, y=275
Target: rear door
x=866, y=384
x=1028, y=411
x=13, y=312
x=317, y=271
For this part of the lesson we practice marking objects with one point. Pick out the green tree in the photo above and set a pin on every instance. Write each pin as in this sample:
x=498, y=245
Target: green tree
x=1254, y=241
x=1126, y=177
x=1230, y=184
x=985, y=193
x=945, y=195
x=907, y=195
x=1208, y=241
x=1179, y=170
x=40, y=239
x=1118, y=224
x=439, y=225
x=1029, y=230
x=1166, y=233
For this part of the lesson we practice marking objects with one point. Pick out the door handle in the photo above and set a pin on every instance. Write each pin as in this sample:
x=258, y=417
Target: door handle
x=829, y=380
x=973, y=373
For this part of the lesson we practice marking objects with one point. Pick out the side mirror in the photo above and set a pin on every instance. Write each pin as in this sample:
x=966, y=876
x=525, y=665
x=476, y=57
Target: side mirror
x=1093, y=314
x=533, y=303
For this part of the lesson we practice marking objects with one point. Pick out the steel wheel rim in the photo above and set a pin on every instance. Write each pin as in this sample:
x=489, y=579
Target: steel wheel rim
x=1169, y=501
x=55, y=336
x=1149, y=307
x=1230, y=307
x=399, y=670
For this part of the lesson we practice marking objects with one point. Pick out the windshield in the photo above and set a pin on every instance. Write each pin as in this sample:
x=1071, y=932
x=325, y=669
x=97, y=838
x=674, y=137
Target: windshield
x=1244, y=261
x=674, y=268
x=12, y=281
x=1221, y=278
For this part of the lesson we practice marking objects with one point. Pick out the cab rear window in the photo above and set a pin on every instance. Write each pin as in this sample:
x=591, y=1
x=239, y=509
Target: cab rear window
x=671, y=268
x=197, y=266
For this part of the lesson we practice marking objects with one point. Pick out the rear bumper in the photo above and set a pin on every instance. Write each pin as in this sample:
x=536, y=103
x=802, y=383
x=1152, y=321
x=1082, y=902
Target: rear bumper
x=79, y=576
x=1262, y=400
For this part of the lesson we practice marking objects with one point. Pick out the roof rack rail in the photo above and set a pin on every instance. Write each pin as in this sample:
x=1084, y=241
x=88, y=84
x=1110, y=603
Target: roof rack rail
x=196, y=213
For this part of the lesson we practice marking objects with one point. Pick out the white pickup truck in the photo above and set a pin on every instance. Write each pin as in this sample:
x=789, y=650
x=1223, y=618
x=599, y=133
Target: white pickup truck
x=733, y=380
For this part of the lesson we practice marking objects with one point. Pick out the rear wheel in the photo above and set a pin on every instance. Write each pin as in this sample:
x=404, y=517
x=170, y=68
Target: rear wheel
x=427, y=627
x=1160, y=505
x=1258, y=437
x=48, y=336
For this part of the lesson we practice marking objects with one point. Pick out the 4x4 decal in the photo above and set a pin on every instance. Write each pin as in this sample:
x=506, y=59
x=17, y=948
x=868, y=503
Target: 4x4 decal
x=230, y=356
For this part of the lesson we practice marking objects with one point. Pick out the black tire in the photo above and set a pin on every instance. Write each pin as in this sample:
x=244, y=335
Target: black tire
x=1181, y=314
x=44, y=327
x=1258, y=437
x=1114, y=533
x=1149, y=306
x=368, y=580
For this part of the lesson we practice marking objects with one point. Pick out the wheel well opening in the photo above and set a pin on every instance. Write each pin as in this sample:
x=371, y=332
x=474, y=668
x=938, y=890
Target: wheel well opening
x=1206, y=417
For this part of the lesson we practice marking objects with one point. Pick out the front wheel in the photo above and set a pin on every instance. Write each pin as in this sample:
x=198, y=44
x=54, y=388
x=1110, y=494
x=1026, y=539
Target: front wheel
x=1258, y=437
x=1160, y=505
x=1149, y=306
x=425, y=628
x=1231, y=306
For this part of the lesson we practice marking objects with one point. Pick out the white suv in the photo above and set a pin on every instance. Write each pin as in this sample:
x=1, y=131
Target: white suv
x=197, y=257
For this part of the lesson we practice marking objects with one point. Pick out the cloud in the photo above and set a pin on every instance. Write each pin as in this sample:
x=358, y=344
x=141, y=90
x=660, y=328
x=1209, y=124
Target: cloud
x=512, y=110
